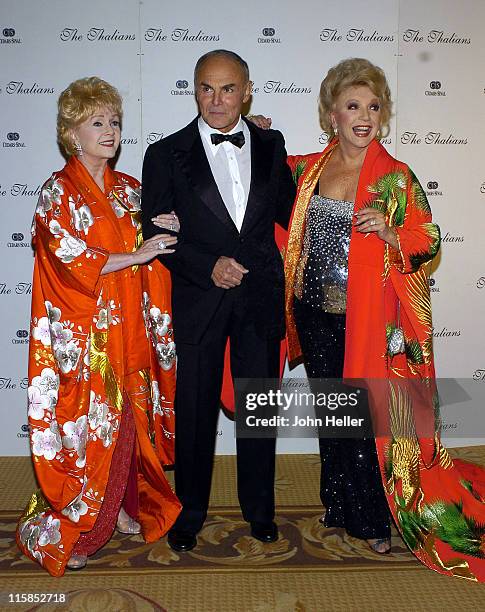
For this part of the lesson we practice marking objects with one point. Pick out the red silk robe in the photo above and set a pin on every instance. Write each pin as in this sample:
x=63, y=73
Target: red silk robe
x=437, y=503
x=95, y=340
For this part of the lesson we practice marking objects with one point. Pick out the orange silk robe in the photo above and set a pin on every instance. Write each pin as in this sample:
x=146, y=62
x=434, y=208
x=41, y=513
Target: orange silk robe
x=438, y=504
x=89, y=333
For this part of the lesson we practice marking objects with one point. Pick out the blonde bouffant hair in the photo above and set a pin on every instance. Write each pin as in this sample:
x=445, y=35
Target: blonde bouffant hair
x=80, y=101
x=354, y=72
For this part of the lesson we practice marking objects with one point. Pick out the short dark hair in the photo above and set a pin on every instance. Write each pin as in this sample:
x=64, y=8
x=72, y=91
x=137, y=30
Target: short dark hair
x=222, y=53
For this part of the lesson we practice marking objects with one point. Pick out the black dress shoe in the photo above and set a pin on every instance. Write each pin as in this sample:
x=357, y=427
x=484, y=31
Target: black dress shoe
x=181, y=541
x=264, y=532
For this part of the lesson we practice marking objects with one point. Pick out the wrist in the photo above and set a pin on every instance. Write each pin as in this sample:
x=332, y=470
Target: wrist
x=134, y=258
x=390, y=236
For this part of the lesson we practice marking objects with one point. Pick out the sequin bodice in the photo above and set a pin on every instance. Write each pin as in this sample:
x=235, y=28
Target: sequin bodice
x=323, y=267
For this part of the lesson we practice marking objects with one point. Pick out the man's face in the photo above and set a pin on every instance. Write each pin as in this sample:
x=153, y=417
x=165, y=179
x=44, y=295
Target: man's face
x=221, y=89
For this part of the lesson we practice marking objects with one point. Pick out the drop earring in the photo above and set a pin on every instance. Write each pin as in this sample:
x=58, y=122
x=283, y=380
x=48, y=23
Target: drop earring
x=79, y=149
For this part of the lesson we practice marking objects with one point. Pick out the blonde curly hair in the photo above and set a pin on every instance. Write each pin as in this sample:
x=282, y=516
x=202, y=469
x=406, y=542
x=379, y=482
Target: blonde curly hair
x=354, y=72
x=80, y=101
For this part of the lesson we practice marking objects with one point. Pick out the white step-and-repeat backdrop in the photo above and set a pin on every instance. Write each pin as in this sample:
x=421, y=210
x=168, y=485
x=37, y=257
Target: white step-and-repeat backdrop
x=433, y=53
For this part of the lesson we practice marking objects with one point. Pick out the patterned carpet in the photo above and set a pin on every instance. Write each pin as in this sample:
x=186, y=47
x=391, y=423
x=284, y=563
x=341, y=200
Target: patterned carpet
x=309, y=569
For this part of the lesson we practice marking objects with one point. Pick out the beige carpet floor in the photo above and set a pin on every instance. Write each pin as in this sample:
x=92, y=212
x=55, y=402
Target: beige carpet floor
x=309, y=569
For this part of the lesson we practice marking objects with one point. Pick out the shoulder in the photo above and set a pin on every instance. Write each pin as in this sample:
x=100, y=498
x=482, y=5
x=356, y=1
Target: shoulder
x=299, y=163
x=265, y=135
x=55, y=185
x=126, y=179
x=385, y=157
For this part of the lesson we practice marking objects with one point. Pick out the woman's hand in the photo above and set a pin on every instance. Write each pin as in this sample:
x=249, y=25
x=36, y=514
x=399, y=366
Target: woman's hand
x=260, y=120
x=151, y=248
x=370, y=219
x=154, y=246
x=168, y=221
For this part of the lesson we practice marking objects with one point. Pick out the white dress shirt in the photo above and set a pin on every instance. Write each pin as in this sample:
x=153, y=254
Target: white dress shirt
x=231, y=168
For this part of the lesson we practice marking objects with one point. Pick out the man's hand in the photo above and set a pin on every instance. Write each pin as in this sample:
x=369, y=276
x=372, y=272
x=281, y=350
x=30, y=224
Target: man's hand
x=227, y=273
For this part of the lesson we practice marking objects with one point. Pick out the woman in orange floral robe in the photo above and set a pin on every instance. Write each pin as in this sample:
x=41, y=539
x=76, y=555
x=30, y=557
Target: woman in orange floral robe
x=437, y=503
x=102, y=356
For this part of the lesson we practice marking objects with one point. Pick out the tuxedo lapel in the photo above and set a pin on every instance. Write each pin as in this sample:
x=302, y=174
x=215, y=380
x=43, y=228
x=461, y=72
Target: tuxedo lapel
x=190, y=154
x=261, y=162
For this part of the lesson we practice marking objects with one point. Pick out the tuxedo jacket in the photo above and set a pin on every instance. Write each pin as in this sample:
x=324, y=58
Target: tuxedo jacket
x=177, y=176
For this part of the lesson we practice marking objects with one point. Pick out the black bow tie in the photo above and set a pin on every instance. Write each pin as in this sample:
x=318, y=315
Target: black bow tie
x=236, y=139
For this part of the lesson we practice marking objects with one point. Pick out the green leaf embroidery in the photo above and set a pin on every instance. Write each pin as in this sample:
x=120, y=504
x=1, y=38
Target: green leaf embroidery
x=299, y=168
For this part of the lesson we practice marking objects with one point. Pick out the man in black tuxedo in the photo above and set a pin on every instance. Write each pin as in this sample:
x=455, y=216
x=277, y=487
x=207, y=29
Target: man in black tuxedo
x=228, y=182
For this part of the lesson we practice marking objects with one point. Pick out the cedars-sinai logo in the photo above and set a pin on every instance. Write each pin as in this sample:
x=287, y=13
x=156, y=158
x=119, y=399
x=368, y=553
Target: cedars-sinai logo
x=481, y=282
x=432, y=189
x=21, y=337
x=268, y=36
x=182, y=88
x=434, y=37
x=435, y=89
x=18, y=241
x=431, y=138
x=9, y=37
x=179, y=35
x=95, y=34
x=12, y=141
x=18, y=87
x=24, y=431
x=359, y=35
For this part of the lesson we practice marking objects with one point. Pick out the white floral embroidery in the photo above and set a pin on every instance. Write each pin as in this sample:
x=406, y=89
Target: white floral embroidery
x=70, y=248
x=42, y=393
x=166, y=354
x=105, y=316
x=134, y=197
x=82, y=216
x=156, y=398
x=29, y=536
x=118, y=209
x=65, y=348
x=42, y=331
x=47, y=442
x=36, y=403
x=103, y=319
x=98, y=412
x=55, y=227
x=76, y=509
x=67, y=356
x=105, y=433
x=49, y=531
x=159, y=331
x=160, y=321
x=51, y=194
x=75, y=434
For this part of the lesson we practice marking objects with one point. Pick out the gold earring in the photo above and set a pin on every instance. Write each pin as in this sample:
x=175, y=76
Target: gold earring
x=79, y=149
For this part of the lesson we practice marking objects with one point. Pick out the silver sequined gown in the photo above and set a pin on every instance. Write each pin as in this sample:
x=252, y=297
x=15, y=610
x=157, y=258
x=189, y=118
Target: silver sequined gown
x=350, y=486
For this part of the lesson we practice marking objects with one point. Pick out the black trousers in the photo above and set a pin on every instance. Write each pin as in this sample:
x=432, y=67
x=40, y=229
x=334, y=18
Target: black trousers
x=197, y=404
x=350, y=482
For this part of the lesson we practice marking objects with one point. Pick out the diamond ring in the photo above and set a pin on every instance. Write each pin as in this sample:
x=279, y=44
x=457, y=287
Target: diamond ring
x=172, y=226
x=162, y=245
